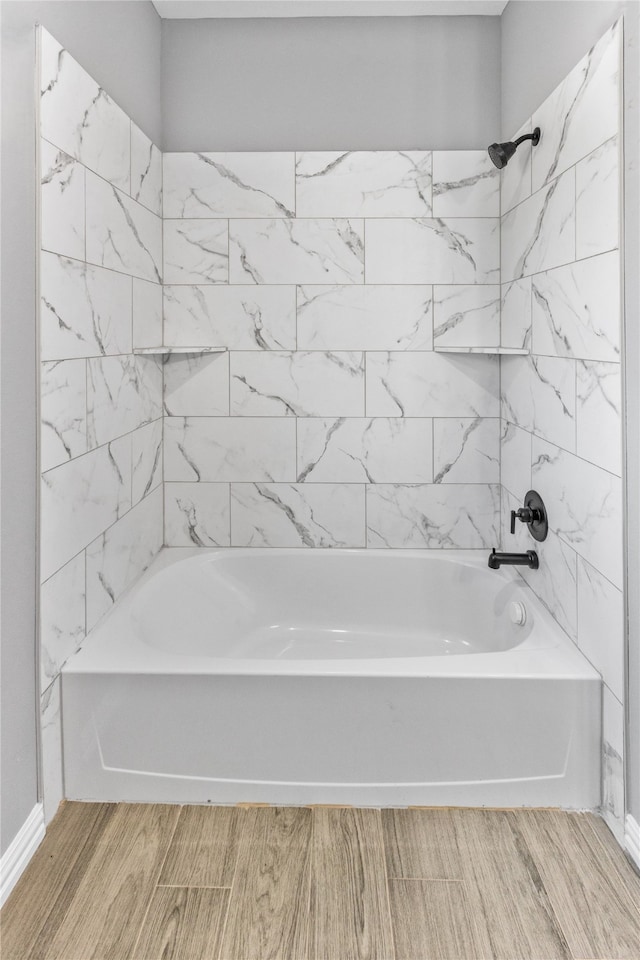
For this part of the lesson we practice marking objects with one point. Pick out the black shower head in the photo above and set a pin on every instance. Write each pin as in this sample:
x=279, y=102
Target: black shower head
x=501, y=153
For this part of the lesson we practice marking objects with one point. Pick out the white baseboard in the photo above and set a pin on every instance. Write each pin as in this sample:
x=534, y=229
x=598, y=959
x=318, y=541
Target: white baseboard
x=19, y=853
x=632, y=838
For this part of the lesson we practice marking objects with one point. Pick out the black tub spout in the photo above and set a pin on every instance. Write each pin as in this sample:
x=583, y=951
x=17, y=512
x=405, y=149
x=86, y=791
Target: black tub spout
x=528, y=559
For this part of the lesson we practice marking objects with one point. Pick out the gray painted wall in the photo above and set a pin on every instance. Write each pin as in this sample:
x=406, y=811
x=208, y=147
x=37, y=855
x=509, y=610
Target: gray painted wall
x=119, y=43
x=541, y=42
x=329, y=84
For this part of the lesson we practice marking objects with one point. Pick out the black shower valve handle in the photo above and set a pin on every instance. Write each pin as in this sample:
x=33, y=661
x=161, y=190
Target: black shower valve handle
x=526, y=515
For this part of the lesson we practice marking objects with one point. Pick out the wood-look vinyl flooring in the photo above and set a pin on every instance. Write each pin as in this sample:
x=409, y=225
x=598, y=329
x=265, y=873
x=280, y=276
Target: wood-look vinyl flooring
x=161, y=882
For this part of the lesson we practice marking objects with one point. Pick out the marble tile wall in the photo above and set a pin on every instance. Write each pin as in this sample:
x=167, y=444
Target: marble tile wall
x=101, y=405
x=331, y=421
x=561, y=406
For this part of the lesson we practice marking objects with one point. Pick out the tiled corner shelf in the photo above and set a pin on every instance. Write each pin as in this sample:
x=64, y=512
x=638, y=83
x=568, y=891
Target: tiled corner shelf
x=169, y=351
x=509, y=351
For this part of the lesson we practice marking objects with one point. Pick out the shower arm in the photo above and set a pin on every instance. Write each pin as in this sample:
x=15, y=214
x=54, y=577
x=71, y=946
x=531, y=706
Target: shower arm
x=535, y=137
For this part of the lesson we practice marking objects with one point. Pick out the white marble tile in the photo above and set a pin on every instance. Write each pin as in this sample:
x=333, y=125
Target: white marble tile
x=147, y=313
x=297, y=515
x=122, y=394
x=84, y=311
x=62, y=618
x=122, y=234
x=582, y=112
x=197, y=514
x=521, y=539
x=146, y=171
x=300, y=384
x=80, y=499
x=466, y=315
x=359, y=450
x=79, y=117
x=554, y=582
x=515, y=460
x=456, y=250
x=61, y=203
x=515, y=178
x=539, y=394
x=364, y=184
x=296, y=251
x=599, y=414
x=229, y=185
x=601, y=626
x=51, y=747
x=462, y=515
x=515, y=314
x=365, y=317
x=146, y=458
x=598, y=201
x=63, y=411
x=584, y=504
x=431, y=385
x=613, y=804
x=196, y=251
x=197, y=385
x=221, y=449
x=467, y=450
x=121, y=554
x=239, y=317
x=539, y=233
x=465, y=184
x=576, y=310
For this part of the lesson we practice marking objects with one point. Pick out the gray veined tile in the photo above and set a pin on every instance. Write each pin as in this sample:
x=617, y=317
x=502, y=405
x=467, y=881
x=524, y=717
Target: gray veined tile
x=300, y=384
x=613, y=802
x=467, y=450
x=576, y=309
x=515, y=314
x=79, y=117
x=146, y=171
x=515, y=460
x=62, y=618
x=431, y=385
x=370, y=317
x=147, y=313
x=222, y=449
x=425, y=250
x=63, y=410
x=539, y=394
x=61, y=203
x=122, y=394
x=297, y=515
x=582, y=112
x=51, y=747
x=598, y=200
x=465, y=184
x=197, y=385
x=196, y=251
x=363, y=184
x=229, y=185
x=238, y=317
x=462, y=515
x=146, y=459
x=197, y=514
x=555, y=580
x=599, y=414
x=360, y=450
x=296, y=251
x=539, y=233
x=515, y=178
x=122, y=234
x=466, y=315
x=601, y=626
x=85, y=311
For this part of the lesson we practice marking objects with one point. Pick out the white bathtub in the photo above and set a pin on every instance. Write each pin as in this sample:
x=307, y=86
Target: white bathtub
x=342, y=676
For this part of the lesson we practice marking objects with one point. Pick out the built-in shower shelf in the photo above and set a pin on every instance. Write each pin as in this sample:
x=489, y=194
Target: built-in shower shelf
x=170, y=351
x=509, y=351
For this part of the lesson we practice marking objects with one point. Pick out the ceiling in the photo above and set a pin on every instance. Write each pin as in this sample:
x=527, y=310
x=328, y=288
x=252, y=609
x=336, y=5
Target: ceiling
x=206, y=9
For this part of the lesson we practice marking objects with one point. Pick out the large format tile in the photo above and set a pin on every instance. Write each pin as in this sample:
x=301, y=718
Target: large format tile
x=515, y=178
x=62, y=618
x=197, y=514
x=241, y=448
x=515, y=314
x=147, y=313
x=296, y=251
x=85, y=311
x=554, y=582
x=539, y=395
x=63, y=411
x=363, y=184
x=197, y=385
x=466, y=315
x=122, y=394
x=539, y=233
x=601, y=626
x=599, y=414
x=366, y=317
x=146, y=460
x=431, y=385
x=465, y=184
x=238, y=317
x=61, y=203
x=358, y=450
x=51, y=748
x=433, y=515
x=456, y=250
x=515, y=460
x=466, y=451
x=146, y=171
x=297, y=384
x=196, y=251
x=79, y=117
x=598, y=201
x=229, y=185
x=613, y=778
x=297, y=515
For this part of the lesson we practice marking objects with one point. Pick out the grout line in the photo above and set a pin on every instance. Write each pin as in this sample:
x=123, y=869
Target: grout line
x=159, y=874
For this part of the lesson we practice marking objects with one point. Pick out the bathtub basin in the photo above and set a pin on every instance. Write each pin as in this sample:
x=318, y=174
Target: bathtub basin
x=382, y=678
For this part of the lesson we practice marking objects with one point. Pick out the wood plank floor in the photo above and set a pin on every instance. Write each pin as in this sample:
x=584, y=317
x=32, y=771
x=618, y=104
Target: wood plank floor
x=161, y=882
